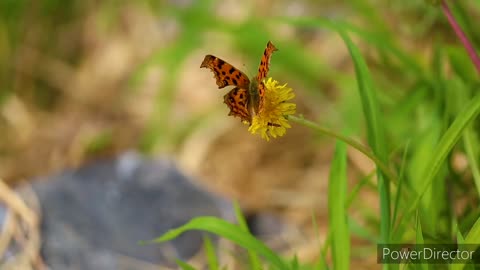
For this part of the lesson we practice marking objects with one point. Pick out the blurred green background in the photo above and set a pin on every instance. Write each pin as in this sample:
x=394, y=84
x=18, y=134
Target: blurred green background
x=81, y=80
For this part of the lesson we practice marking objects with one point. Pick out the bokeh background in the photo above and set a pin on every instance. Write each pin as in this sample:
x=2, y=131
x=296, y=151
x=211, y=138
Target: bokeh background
x=81, y=81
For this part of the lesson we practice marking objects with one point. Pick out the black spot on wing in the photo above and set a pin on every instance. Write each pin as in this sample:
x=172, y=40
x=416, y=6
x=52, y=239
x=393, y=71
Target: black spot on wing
x=220, y=63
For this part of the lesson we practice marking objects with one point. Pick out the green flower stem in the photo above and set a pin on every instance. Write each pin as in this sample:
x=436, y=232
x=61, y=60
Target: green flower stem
x=349, y=141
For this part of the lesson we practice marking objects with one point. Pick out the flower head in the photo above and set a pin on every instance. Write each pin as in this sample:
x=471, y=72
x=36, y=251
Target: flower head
x=271, y=120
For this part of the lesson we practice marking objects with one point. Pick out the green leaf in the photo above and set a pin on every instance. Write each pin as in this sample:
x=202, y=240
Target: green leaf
x=254, y=260
x=472, y=240
x=184, y=265
x=448, y=140
x=337, y=189
x=229, y=231
x=471, y=149
x=473, y=236
x=322, y=258
x=419, y=241
x=400, y=185
x=376, y=134
x=294, y=264
x=210, y=252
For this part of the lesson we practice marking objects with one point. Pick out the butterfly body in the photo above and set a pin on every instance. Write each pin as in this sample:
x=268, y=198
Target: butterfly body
x=245, y=100
x=254, y=96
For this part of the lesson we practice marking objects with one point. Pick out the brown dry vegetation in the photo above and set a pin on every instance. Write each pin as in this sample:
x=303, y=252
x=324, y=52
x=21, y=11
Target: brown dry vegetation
x=70, y=100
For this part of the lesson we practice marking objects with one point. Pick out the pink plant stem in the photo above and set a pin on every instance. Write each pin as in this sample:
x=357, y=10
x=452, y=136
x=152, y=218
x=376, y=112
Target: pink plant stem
x=461, y=35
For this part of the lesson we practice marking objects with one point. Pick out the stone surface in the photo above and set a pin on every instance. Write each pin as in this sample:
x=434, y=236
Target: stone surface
x=94, y=217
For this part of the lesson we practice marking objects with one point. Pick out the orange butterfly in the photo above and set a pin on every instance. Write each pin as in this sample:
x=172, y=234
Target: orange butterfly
x=246, y=99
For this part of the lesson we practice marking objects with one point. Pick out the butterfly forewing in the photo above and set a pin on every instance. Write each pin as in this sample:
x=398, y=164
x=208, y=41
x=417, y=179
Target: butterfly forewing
x=225, y=74
x=265, y=62
x=262, y=74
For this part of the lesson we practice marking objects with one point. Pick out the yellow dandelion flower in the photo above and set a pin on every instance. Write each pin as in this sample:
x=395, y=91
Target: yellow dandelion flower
x=272, y=118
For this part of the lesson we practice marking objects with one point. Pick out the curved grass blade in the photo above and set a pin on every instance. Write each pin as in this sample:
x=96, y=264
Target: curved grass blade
x=448, y=140
x=471, y=149
x=351, y=142
x=376, y=137
x=184, y=266
x=472, y=240
x=254, y=260
x=376, y=134
x=229, y=231
x=473, y=236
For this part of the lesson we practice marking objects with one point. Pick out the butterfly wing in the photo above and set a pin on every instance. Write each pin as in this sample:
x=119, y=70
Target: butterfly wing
x=262, y=73
x=265, y=62
x=225, y=74
x=237, y=101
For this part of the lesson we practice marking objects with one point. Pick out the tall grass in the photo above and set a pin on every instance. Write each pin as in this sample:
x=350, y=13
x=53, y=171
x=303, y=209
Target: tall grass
x=414, y=96
x=418, y=118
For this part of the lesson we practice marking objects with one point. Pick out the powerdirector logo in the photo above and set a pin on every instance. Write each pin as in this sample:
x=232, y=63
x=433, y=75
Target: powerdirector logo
x=428, y=254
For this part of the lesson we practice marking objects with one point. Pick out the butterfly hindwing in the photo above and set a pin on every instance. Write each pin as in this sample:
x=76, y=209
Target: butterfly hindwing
x=237, y=100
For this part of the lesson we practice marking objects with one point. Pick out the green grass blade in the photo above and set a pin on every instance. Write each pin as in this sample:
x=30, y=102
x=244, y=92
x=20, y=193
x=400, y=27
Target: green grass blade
x=242, y=222
x=351, y=142
x=229, y=231
x=376, y=137
x=448, y=140
x=322, y=258
x=471, y=149
x=184, y=266
x=419, y=241
x=363, y=232
x=356, y=189
x=472, y=239
x=337, y=189
x=399, y=186
x=210, y=252
x=473, y=236
x=294, y=264
x=368, y=97
x=253, y=257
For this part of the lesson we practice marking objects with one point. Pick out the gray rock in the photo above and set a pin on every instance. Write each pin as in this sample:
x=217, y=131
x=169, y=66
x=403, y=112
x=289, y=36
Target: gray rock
x=94, y=217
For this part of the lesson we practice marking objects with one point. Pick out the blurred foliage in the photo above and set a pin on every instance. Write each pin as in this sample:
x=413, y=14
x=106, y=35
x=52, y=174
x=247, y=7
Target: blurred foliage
x=422, y=80
x=420, y=76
